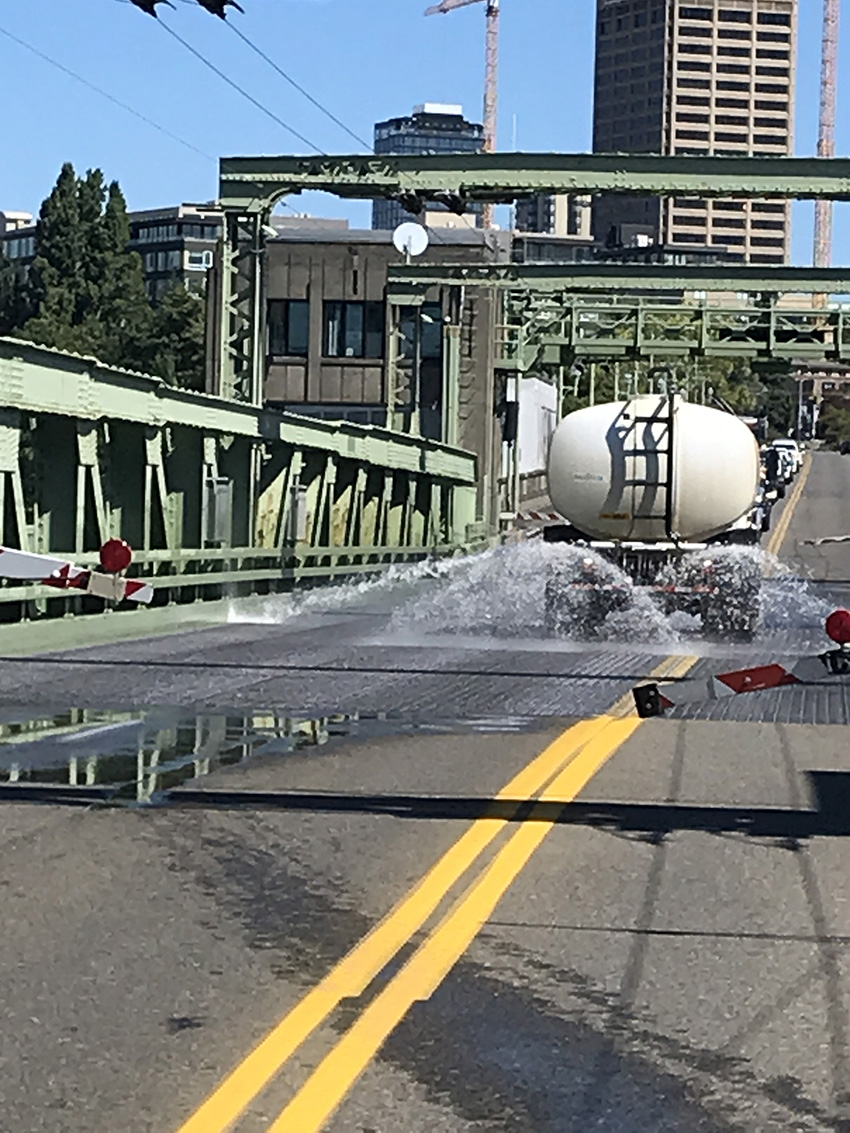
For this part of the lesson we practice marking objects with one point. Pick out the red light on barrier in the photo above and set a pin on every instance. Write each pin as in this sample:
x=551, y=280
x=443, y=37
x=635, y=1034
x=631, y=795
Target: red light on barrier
x=115, y=555
x=838, y=627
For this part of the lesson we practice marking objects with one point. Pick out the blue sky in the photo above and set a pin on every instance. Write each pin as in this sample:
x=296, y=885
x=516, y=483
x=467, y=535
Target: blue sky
x=363, y=59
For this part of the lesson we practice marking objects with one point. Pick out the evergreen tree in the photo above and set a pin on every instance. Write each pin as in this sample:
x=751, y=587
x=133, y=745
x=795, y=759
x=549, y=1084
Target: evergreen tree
x=54, y=277
x=86, y=289
x=125, y=313
x=13, y=305
x=179, y=330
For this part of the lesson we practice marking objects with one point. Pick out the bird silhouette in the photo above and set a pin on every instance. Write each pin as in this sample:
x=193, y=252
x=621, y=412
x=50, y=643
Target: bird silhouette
x=149, y=6
x=219, y=7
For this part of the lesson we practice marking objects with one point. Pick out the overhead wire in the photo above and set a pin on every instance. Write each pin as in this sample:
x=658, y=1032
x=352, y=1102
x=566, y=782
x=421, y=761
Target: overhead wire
x=104, y=94
x=226, y=78
x=297, y=86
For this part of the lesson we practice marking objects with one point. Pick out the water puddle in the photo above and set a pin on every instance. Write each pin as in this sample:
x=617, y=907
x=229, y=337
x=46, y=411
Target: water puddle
x=136, y=757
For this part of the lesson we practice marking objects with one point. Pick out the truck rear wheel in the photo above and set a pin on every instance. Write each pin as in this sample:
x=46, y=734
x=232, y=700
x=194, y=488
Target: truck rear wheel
x=573, y=609
x=733, y=612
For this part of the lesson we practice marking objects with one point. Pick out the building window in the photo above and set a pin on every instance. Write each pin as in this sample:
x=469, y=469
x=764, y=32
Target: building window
x=199, y=261
x=353, y=330
x=289, y=327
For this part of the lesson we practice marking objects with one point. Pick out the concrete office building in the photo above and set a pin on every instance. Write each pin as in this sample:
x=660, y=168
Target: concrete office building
x=433, y=127
x=707, y=77
x=175, y=243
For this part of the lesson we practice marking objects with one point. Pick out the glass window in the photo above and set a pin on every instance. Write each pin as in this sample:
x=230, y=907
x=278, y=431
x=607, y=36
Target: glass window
x=289, y=327
x=199, y=260
x=374, y=330
x=353, y=334
x=353, y=330
x=432, y=331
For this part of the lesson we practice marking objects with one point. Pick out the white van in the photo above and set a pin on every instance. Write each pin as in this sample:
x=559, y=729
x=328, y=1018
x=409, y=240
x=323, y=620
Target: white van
x=790, y=446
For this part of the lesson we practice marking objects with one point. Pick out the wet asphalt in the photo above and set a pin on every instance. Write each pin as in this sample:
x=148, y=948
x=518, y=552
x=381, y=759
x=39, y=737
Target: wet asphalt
x=673, y=957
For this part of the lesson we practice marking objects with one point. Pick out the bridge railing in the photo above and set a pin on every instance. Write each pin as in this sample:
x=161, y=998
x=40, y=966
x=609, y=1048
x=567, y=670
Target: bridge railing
x=215, y=497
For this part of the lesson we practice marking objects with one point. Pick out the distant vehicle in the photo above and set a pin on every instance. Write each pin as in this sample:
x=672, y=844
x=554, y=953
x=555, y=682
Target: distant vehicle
x=773, y=473
x=793, y=448
x=845, y=448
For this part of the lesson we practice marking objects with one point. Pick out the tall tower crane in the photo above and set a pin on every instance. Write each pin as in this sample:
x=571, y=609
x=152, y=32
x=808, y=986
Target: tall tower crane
x=491, y=81
x=826, y=130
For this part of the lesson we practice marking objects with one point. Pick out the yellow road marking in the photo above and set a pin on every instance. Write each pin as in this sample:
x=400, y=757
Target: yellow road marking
x=360, y=966
x=356, y=970
x=326, y=1087
x=781, y=530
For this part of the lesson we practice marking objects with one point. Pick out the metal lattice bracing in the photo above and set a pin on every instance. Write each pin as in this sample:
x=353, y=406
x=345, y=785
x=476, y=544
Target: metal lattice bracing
x=542, y=332
x=405, y=282
x=242, y=311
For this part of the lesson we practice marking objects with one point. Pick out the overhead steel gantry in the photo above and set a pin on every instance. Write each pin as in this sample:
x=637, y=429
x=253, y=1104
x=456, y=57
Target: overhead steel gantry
x=250, y=187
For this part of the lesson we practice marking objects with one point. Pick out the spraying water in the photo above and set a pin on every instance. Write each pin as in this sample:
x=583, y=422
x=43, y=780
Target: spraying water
x=501, y=594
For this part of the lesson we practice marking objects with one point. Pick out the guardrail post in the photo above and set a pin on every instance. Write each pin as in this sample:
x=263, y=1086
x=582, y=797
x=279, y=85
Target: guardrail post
x=10, y=479
x=88, y=469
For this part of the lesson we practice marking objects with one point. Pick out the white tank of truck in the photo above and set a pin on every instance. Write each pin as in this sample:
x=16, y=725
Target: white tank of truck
x=653, y=469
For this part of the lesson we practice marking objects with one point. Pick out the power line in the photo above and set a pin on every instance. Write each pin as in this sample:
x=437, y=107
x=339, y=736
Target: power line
x=198, y=55
x=297, y=86
x=103, y=93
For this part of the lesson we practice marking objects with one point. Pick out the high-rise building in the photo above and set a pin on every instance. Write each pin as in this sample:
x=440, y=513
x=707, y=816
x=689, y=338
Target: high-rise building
x=433, y=127
x=711, y=77
x=559, y=215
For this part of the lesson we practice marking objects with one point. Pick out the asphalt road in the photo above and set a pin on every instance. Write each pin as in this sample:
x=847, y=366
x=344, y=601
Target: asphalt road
x=669, y=953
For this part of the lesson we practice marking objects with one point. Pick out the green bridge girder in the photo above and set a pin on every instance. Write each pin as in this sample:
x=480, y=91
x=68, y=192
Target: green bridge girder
x=408, y=282
x=540, y=332
x=253, y=184
x=250, y=186
x=209, y=492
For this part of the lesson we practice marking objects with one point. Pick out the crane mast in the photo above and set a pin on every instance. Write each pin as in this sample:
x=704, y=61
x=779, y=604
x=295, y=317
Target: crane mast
x=826, y=129
x=491, y=79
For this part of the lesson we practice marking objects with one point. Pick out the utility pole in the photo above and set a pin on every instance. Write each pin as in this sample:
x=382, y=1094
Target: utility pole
x=491, y=77
x=826, y=132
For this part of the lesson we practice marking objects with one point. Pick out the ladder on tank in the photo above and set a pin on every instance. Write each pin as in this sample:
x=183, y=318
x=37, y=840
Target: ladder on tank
x=660, y=449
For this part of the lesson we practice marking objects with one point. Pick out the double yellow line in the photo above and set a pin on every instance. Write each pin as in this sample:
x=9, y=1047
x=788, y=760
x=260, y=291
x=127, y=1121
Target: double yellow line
x=556, y=775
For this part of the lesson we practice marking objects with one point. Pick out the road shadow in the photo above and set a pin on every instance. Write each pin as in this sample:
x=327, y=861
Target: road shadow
x=829, y=818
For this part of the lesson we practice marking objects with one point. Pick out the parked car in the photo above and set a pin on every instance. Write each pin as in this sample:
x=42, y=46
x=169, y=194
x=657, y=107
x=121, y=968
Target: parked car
x=845, y=448
x=790, y=446
x=787, y=468
x=773, y=473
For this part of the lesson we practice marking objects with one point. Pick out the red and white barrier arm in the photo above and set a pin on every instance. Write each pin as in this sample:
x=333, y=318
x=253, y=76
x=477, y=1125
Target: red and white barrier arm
x=653, y=700
x=115, y=555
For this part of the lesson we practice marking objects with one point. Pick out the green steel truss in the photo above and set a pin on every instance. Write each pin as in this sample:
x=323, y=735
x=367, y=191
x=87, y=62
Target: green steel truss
x=405, y=283
x=255, y=183
x=250, y=186
x=210, y=493
x=541, y=331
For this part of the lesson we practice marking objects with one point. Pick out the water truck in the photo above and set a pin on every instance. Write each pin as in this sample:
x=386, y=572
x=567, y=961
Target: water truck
x=653, y=485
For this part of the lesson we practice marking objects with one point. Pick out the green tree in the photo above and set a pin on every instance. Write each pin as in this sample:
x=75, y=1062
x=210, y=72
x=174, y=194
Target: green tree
x=54, y=277
x=125, y=314
x=834, y=424
x=86, y=289
x=13, y=305
x=179, y=330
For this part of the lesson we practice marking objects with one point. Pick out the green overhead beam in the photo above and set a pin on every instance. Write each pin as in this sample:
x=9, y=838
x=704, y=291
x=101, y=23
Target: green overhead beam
x=254, y=183
x=405, y=283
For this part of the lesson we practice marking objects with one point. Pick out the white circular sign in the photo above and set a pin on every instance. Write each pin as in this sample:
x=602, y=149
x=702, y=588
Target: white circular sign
x=410, y=238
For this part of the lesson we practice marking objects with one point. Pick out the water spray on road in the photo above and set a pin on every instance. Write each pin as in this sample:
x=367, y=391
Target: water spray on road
x=500, y=595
